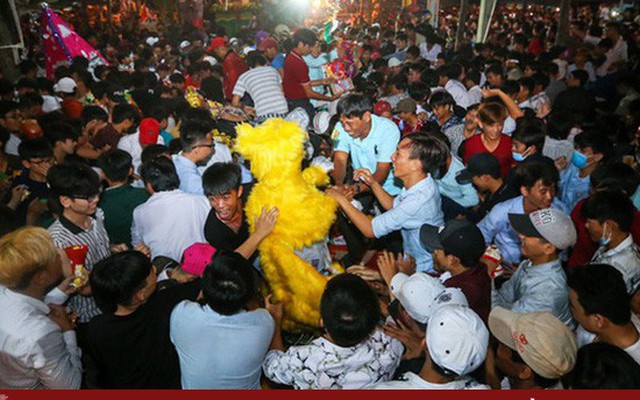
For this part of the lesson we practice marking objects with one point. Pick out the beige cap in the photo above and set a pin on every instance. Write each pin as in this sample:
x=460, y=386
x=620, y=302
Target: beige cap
x=544, y=343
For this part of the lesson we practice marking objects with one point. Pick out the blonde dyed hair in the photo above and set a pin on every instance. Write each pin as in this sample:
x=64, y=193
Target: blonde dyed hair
x=23, y=253
x=491, y=113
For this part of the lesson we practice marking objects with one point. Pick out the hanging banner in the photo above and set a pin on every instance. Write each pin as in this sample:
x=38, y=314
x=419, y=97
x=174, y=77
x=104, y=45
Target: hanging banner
x=61, y=44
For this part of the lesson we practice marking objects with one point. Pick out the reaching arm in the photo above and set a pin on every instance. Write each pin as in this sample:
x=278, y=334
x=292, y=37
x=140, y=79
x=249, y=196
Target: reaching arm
x=514, y=111
x=359, y=219
x=364, y=175
x=340, y=159
x=264, y=225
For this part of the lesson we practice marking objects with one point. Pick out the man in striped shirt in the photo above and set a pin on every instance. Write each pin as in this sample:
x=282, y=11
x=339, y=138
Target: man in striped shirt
x=264, y=84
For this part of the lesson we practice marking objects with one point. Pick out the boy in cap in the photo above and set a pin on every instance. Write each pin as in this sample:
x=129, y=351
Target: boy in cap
x=535, y=350
x=232, y=64
x=539, y=283
x=538, y=183
x=409, y=121
x=457, y=247
x=483, y=170
x=456, y=345
x=147, y=134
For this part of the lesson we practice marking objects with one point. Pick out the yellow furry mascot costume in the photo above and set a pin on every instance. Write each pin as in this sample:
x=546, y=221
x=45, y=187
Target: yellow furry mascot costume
x=276, y=150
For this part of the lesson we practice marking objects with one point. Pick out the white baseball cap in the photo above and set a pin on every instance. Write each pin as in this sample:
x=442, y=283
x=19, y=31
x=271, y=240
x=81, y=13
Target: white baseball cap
x=321, y=122
x=65, y=85
x=457, y=339
x=394, y=62
x=184, y=44
x=421, y=295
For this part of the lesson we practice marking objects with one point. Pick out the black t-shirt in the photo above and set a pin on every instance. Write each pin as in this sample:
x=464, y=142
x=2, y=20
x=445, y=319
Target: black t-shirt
x=221, y=236
x=504, y=193
x=135, y=351
x=38, y=190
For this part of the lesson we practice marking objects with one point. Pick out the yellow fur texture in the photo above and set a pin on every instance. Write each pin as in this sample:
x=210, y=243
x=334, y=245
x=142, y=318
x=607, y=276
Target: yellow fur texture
x=275, y=150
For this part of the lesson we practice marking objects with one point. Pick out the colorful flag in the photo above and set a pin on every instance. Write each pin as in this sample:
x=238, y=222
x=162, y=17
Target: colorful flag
x=61, y=44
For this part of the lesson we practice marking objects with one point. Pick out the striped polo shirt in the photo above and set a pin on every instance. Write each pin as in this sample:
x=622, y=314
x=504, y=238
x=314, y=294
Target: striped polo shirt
x=264, y=86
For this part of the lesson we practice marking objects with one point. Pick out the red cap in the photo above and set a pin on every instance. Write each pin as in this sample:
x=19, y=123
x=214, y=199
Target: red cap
x=149, y=131
x=267, y=44
x=217, y=42
x=380, y=107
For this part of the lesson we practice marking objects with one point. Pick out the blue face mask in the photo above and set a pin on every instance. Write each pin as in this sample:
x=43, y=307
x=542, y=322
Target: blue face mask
x=604, y=240
x=579, y=159
x=517, y=157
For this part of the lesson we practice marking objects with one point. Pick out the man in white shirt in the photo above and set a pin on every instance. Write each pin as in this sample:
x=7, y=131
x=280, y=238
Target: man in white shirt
x=38, y=347
x=197, y=148
x=148, y=133
x=171, y=220
x=617, y=55
x=430, y=49
x=448, y=79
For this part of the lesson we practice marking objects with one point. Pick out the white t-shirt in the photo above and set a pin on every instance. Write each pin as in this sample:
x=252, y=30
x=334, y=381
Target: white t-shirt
x=409, y=380
x=584, y=338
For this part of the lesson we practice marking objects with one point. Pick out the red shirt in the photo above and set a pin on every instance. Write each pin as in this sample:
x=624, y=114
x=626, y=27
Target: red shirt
x=233, y=66
x=476, y=286
x=474, y=145
x=296, y=74
x=585, y=248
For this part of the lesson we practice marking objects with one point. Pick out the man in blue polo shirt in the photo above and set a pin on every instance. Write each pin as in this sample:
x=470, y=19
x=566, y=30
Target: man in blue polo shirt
x=369, y=139
x=417, y=204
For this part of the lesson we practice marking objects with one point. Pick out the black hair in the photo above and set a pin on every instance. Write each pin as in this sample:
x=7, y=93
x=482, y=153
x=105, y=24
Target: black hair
x=598, y=142
x=601, y=290
x=495, y=69
x=177, y=78
x=354, y=105
x=402, y=36
x=123, y=111
x=72, y=179
x=540, y=381
x=473, y=76
x=116, y=279
x=221, y=178
x=615, y=176
x=527, y=83
x=227, y=283
x=601, y=365
x=429, y=149
x=419, y=91
x=256, y=58
x=510, y=87
x=158, y=112
x=350, y=310
x=414, y=51
x=531, y=132
x=7, y=106
x=541, y=79
x=582, y=76
x=198, y=116
x=90, y=113
x=60, y=132
x=34, y=148
x=192, y=134
x=153, y=151
x=161, y=174
x=4, y=137
x=529, y=173
x=559, y=124
x=304, y=36
x=115, y=164
x=441, y=98
x=614, y=206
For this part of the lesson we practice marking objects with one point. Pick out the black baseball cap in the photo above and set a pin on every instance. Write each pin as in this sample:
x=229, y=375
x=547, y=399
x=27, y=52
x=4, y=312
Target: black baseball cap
x=461, y=238
x=479, y=164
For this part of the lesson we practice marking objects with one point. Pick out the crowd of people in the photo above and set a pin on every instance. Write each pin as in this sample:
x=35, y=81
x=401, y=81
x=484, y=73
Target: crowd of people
x=487, y=200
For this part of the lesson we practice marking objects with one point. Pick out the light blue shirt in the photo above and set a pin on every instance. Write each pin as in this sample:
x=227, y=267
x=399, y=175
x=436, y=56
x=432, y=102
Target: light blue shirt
x=465, y=195
x=572, y=187
x=536, y=288
x=220, y=351
x=496, y=229
x=190, y=178
x=378, y=146
x=413, y=208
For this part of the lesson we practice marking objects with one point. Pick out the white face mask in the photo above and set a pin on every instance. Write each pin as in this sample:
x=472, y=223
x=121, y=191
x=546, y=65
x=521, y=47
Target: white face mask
x=171, y=123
